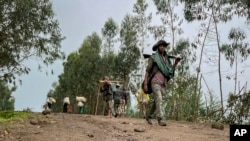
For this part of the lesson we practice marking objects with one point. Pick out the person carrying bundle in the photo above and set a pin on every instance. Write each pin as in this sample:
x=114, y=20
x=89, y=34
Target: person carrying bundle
x=107, y=92
x=80, y=103
x=50, y=102
x=66, y=104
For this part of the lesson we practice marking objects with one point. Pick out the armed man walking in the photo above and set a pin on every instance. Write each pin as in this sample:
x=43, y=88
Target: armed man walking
x=158, y=72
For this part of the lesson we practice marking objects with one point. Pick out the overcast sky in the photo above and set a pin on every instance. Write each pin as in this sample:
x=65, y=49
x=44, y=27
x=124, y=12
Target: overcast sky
x=78, y=19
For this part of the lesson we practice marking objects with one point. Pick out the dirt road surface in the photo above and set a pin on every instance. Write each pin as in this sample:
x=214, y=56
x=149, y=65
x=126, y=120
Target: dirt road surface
x=76, y=127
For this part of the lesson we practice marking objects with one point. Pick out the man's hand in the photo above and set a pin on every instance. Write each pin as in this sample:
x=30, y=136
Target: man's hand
x=145, y=88
x=176, y=61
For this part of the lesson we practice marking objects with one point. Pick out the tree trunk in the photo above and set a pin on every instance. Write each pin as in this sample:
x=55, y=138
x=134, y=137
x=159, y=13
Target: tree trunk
x=219, y=64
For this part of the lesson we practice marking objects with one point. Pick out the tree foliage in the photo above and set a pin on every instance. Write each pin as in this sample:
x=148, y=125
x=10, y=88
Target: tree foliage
x=27, y=29
x=239, y=108
x=109, y=31
x=183, y=101
x=82, y=70
x=128, y=57
x=238, y=48
x=6, y=100
x=142, y=23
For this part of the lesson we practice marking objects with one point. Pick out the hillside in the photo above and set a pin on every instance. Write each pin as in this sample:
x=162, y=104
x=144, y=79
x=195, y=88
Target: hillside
x=76, y=127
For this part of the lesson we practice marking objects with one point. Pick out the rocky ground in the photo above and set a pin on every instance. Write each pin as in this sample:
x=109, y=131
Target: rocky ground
x=76, y=127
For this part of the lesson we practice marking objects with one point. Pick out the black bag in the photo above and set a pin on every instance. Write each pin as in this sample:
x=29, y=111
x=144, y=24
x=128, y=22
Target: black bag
x=149, y=82
x=149, y=87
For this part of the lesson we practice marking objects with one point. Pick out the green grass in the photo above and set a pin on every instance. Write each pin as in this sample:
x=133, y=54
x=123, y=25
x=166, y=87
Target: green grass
x=11, y=115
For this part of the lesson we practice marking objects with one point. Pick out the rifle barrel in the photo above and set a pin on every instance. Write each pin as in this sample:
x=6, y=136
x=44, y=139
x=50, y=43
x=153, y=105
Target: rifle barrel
x=101, y=81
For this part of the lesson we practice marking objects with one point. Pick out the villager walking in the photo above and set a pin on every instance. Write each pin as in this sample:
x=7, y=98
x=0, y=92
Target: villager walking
x=124, y=99
x=81, y=103
x=50, y=102
x=66, y=103
x=107, y=92
x=117, y=100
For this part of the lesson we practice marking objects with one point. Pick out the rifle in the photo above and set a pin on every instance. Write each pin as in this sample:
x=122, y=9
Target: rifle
x=112, y=81
x=148, y=55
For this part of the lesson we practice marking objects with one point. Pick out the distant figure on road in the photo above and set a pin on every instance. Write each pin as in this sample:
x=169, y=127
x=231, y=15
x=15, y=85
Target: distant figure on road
x=66, y=103
x=117, y=100
x=80, y=103
x=50, y=102
x=124, y=99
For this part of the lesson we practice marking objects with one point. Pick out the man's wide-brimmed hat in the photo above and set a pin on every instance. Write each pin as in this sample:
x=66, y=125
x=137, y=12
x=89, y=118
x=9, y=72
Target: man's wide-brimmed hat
x=160, y=42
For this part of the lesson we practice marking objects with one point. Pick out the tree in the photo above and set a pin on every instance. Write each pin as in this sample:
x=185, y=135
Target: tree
x=128, y=57
x=229, y=8
x=27, y=29
x=6, y=100
x=240, y=108
x=178, y=105
x=109, y=31
x=82, y=70
x=142, y=24
x=237, y=51
x=171, y=22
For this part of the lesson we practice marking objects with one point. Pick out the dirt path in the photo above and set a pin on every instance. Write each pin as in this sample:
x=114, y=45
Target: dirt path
x=75, y=127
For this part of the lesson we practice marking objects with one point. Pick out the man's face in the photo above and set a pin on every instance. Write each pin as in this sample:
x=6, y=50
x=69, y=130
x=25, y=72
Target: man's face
x=162, y=48
x=105, y=78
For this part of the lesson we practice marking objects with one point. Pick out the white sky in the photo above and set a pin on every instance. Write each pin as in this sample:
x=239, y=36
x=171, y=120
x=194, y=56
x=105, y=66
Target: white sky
x=78, y=19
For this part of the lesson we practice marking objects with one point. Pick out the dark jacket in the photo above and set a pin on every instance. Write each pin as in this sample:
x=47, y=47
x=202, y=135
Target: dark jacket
x=117, y=94
x=124, y=95
x=107, y=92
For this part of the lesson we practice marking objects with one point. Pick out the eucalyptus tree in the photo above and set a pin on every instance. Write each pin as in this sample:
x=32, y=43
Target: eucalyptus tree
x=129, y=55
x=239, y=106
x=178, y=105
x=6, y=100
x=82, y=72
x=210, y=14
x=127, y=59
x=236, y=52
x=109, y=32
x=142, y=24
x=171, y=22
x=201, y=42
x=28, y=29
x=234, y=7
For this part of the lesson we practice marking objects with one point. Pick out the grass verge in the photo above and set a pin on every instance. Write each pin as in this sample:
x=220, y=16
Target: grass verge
x=12, y=115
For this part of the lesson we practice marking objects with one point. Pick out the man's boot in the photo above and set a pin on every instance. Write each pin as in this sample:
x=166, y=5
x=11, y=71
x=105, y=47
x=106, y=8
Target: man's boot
x=148, y=119
x=161, y=122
